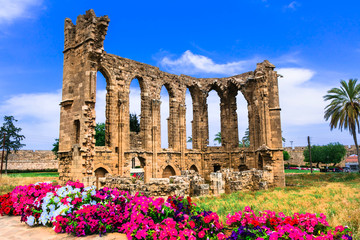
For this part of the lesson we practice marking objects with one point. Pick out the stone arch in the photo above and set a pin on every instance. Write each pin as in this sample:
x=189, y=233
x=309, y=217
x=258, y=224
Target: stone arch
x=214, y=117
x=102, y=166
x=138, y=162
x=168, y=171
x=100, y=173
x=107, y=74
x=193, y=167
x=197, y=101
x=165, y=116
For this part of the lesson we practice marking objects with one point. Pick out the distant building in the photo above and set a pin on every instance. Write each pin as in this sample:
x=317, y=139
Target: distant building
x=352, y=163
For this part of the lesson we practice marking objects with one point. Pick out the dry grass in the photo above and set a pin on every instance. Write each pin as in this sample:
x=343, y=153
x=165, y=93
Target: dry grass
x=8, y=183
x=335, y=195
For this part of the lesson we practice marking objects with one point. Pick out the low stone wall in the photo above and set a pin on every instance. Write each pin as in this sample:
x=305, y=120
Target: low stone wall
x=189, y=183
x=251, y=180
x=32, y=160
x=156, y=187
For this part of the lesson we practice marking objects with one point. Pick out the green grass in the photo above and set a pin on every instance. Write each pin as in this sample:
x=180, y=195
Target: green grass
x=337, y=195
x=10, y=181
x=34, y=174
x=299, y=171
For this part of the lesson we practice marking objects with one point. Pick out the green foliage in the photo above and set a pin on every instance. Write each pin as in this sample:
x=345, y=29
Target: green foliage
x=13, y=137
x=286, y=155
x=100, y=134
x=55, y=146
x=332, y=153
x=189, y=139
x=134, y=123
x=218, y=137
x=344, y=108
x=245, y=140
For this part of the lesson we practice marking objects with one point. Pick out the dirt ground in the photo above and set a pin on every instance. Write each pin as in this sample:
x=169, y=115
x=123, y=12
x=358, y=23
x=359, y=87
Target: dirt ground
x=11, y=228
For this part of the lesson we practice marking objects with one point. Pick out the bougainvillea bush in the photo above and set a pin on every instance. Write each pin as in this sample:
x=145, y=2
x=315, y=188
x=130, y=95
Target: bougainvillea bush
x=82, y=211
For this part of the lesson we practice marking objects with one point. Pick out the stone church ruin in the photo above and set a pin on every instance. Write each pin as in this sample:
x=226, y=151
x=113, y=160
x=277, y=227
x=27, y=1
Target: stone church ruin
x=80, y=159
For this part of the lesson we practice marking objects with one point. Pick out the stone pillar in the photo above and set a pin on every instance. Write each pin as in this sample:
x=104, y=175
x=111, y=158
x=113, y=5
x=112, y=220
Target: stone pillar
x=82, y=50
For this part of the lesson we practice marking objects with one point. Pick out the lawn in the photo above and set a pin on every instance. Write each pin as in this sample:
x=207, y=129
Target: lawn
x=10, y=181
x=34, y=174
x=299, y=171
x=337, y=195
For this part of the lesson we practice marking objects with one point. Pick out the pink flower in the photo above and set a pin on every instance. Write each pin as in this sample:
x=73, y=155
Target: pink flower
x=201, y=234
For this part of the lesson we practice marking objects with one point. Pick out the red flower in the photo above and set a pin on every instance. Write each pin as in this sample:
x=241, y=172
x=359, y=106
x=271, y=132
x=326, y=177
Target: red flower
x=192, y=224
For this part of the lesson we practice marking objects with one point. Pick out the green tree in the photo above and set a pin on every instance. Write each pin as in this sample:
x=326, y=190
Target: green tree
x=134, y=123
x=12, y=138
x=56, y=146
x=100, y=134
x=344, y=108
x=189, y=139
x=286, y=155
x=335, y=153
x=332, y=153
x=218, y=137
x=246, y=139
x=317, y=155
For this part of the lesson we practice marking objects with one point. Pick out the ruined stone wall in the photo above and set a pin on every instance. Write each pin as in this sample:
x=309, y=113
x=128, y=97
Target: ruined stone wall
x=84, y=56
x=32, y=160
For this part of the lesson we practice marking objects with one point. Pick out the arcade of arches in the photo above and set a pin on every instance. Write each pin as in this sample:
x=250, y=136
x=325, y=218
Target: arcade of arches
x=84, y=56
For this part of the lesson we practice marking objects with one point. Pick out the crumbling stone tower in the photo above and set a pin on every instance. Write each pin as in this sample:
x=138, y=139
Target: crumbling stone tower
x=84, y=56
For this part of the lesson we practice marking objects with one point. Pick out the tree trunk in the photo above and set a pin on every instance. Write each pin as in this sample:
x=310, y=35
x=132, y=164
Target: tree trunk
x=6, y=161
x=357, y=147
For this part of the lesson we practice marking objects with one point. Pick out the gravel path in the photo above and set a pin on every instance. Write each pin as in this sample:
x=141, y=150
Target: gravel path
x=11, y=228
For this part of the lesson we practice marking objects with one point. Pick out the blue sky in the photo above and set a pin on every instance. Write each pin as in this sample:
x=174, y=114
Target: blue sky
x=313, y=44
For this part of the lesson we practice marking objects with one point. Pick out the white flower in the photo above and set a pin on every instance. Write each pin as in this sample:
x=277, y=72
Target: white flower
x=30, y=221
x=93, y=202
x=93, y=192
x=56, y=199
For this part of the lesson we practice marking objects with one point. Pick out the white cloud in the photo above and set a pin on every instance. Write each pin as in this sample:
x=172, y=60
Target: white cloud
x=13, y=9
x=293, y=5
x=301, y=101
x=38, y=115
x=190, y=63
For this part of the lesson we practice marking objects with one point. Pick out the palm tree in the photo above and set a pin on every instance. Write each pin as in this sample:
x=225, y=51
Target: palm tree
x=344, y=108
x=218, y=137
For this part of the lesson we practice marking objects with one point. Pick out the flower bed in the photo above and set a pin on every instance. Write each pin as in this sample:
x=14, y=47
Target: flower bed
x=83, y=211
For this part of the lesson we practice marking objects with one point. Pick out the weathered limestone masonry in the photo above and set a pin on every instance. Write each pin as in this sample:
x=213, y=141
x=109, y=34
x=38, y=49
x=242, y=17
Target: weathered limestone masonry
x=32, y=160
x=84, y=56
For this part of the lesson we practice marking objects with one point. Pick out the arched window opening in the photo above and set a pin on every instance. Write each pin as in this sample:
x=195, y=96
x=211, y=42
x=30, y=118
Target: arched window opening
x=164, y=115
x=137, y=168
x=214, y=119
x=243, y=122
x=134, y=113
x=189, y=119
x=217, y=167
x=194, y=168
x=137, y=162
x=100, y=109
x=168, y=172
x=100, y=174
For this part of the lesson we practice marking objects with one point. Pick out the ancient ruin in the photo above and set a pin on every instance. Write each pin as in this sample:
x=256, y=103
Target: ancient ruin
x=84, y=56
